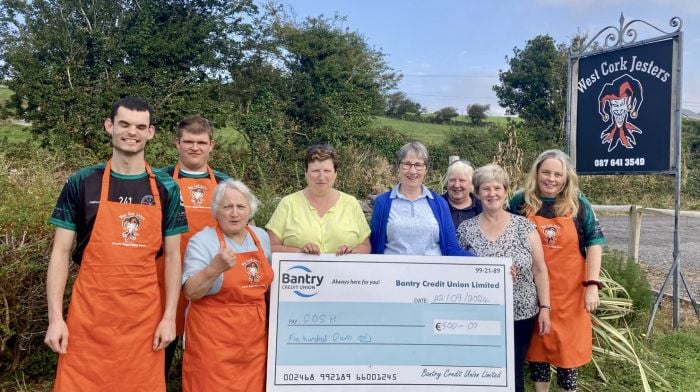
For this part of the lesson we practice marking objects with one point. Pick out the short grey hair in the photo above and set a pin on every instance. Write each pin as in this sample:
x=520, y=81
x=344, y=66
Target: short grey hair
x=240, y=187
x=416, y=148
x=488, y=173
x=458, y=166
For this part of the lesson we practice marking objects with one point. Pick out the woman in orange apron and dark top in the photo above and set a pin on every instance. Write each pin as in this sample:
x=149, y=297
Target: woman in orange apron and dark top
x=571, y=240
x=226, y=277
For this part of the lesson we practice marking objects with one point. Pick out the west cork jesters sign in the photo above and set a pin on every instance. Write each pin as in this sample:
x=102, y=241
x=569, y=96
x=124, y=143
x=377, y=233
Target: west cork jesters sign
x=622, y=110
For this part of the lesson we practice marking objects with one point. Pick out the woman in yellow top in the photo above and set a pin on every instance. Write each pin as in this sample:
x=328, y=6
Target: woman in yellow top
x=319, y=218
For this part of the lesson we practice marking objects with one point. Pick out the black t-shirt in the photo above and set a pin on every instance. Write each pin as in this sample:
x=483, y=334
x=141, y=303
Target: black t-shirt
x=77, y=205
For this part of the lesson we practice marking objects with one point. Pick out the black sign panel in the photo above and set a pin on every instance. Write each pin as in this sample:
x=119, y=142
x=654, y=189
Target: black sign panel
x=623, y=112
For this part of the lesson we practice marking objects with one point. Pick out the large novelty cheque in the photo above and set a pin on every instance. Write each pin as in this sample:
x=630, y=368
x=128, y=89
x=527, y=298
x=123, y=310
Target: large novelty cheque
x=382, y=323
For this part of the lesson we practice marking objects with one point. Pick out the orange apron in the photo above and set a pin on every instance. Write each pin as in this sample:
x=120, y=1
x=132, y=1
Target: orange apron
x=197, y=194
x=226, y=333
x=115, y=307
x=569, y=344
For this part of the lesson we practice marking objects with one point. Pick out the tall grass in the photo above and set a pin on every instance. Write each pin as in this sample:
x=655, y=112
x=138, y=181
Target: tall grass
x=29, y=182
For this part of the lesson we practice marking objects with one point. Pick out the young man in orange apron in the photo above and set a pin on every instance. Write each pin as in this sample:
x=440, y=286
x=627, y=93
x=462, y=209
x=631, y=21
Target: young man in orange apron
x=122, y=215
x=194, y=142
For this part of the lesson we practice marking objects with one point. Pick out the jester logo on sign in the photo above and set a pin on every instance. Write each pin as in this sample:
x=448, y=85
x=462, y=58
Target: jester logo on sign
x=252, y=268
x=197, y=193
x=131, y=223
x=620, y=99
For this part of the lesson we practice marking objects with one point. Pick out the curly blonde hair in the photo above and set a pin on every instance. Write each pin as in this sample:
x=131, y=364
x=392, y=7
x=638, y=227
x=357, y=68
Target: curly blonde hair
x=566, y=202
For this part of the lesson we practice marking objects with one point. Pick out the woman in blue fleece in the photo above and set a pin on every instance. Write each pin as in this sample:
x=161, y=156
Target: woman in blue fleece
x=410, y=219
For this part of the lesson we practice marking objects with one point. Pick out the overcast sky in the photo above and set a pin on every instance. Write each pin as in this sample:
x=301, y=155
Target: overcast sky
x=450, y=51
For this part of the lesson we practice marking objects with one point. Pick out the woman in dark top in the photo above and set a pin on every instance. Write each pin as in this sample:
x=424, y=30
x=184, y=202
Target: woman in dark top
x=460, y=197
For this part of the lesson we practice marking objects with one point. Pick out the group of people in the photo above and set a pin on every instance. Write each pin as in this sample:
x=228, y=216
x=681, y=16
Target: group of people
x=156, y=244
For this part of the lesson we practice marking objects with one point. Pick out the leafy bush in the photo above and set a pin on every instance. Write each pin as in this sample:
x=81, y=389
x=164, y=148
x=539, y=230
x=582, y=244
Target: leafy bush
x=475, y=144
x=628, y=273
x=384, y=140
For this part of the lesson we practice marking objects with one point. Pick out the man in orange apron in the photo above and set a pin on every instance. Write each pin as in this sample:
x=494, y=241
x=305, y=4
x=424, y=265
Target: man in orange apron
x=122, y=215
x=194, y=143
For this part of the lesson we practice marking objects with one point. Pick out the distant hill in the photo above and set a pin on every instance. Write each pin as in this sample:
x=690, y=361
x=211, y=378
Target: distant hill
x=690, y=114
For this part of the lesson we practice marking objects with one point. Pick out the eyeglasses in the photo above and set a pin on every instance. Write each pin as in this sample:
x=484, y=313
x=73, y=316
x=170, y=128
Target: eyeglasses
x=419, y=166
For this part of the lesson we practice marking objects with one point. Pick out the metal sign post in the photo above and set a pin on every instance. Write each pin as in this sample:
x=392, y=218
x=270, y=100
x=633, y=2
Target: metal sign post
x=624, y=114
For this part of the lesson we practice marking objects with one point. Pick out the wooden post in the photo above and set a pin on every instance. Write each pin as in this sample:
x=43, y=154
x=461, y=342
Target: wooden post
x=452, y=158
x=635, y=228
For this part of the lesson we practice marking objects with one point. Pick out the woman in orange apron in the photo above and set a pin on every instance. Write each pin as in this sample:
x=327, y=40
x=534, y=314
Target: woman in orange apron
x=115, y=304
x=227, y=276
x=571, y=239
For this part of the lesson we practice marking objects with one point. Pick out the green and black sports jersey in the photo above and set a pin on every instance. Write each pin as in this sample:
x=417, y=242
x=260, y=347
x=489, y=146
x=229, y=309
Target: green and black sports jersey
x=77, y=205
x=587, y=226
x=219, y=176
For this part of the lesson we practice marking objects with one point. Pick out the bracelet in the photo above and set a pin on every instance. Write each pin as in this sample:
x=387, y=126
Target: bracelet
x=587, y=283
x=546, y=307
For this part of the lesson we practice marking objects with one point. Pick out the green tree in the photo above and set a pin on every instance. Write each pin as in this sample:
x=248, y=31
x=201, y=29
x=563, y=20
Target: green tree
x=477, y=112
x=446, y=114
x=535, y=85
x=66, y=61
x=398, y=105
x=335, y=79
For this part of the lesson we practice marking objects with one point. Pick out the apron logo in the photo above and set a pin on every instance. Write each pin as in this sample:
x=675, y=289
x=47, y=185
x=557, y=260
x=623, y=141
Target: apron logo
x=131, y=223
x=197, y=193
x=550, y=234
x=252, y=268
x=620, y=98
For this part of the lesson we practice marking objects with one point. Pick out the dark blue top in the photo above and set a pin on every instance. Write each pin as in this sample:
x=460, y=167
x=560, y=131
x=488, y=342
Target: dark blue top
x=459, y=215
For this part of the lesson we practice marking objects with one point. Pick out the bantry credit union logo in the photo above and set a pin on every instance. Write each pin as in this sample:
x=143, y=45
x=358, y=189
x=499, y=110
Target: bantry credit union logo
x=619, y=101
x=302, y=281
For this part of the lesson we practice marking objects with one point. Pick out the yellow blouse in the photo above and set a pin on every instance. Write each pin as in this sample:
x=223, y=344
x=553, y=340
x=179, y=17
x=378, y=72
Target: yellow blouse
x=297, y=223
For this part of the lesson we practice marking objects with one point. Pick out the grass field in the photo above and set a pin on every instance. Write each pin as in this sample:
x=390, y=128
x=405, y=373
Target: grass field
x=13, y=132
x=4, y=94
x=429, y=133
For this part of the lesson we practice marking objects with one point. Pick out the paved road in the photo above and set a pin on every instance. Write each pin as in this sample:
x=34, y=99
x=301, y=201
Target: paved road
x=656, y=243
